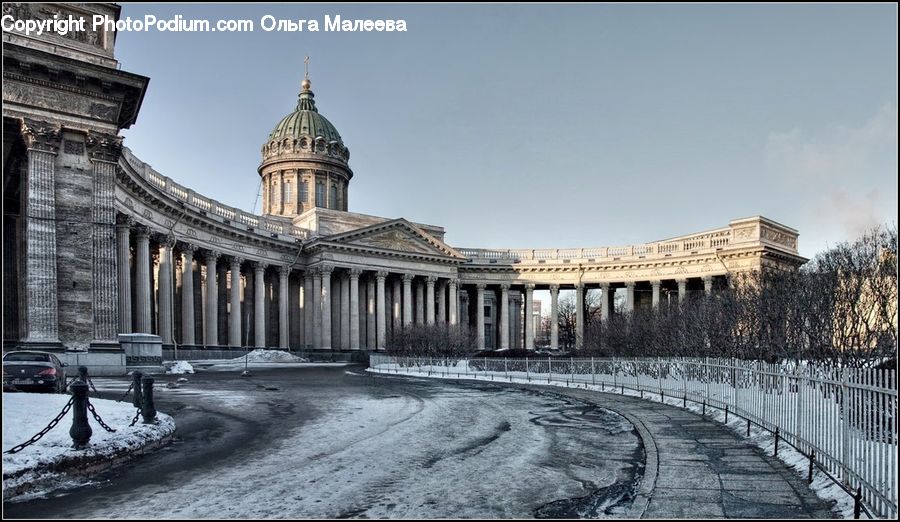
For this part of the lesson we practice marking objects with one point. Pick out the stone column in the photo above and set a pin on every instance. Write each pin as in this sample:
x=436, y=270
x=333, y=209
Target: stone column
x=142, y=280
x=325, y=305
x=429, y=299
x=105, y=150
x=479, y=314
x=554, y=317
x=284, y=271
x=259, y=305
x=397, y=308
x=407, y=299
x=420, y=303
x=605, y=301
x=442, y=303
x=166, y=293
x=454, y=302
x=370, y=314
x=529, y=316
x=682, y=289
x=379, y=308
x=579, y=316
x=187, y=294
x=212, y=300
x=317, y=309
x=707, y=285
x=345, y=311
x=41, y=315
x=234, y=318
x=629, y=296
x=123, y=245
x=655, y=293
x=504, y=316
x=309, y=300
x=354, y=308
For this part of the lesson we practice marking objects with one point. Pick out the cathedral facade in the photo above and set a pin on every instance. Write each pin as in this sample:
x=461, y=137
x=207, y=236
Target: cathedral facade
x=97, y=244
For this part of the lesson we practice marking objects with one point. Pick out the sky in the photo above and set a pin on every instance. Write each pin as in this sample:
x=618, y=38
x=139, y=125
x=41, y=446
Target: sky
x=541, y=126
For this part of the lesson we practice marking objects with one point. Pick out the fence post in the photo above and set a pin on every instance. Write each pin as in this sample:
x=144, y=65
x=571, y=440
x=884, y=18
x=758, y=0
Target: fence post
x=527, y=375
x=593, y=373
x=572, y=368
x=549, y=370
x=506, y=370
x=149, y=409
x=845, y=429
x=80, y=430
x=812, y=460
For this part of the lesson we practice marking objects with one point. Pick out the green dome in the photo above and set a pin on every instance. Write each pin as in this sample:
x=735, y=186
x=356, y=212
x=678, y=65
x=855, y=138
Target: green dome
x=305, y=121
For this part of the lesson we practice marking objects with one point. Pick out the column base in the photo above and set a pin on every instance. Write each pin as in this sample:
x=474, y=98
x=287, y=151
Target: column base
x=105, y=346
x=42, y=346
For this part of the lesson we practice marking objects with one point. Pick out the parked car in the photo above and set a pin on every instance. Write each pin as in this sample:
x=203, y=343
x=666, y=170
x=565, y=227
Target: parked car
x=34, y=371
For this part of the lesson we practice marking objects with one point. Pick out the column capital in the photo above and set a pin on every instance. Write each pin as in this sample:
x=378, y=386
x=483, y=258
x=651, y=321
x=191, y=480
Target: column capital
x=504, y=286
x=629, y=284
x=681, y=280
x=381, y=275
x=604, y=286
x=142, y=232
x=187, y=249
x=480, y=286
x=41, y=135
x=707, y=278
x=104, y=147
x=124, y=221
x=408, y=277
x=259, y=266
x=325, y=269
x=656, y=284
x=554, y=288
x=284, y=270
x=212, y=255
x=529, y=286
x=236, y=261
x=430, y=280
x=453, y=282
x=355, y=273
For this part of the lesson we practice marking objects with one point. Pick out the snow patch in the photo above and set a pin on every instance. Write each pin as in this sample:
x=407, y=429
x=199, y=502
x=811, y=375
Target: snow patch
x=265, y=356
x=178, y=367
x=25, y=414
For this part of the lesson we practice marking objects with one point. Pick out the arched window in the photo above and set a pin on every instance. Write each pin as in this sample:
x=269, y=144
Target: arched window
x=273, y=193
x=334, y=196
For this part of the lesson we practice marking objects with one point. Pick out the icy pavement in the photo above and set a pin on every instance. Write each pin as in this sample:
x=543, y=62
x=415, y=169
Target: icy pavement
x=379, y=447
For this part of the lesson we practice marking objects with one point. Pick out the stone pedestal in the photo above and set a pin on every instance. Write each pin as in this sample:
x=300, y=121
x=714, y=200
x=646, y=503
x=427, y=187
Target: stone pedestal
x=142, y=351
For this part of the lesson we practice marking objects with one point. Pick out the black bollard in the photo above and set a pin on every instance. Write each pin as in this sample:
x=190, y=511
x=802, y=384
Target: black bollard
x=136, y=397
x=777, y=436
x=148, y=410
x=726, y=414
x=857, y=503
x=83, y=374
x=748, y=426
x=80, y=430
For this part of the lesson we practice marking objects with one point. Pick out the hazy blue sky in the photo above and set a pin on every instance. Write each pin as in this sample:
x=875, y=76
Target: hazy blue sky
x=549, y=126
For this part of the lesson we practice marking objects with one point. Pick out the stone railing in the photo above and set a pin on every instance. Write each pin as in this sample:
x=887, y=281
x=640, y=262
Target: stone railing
x=705, y=242
x=229, y=215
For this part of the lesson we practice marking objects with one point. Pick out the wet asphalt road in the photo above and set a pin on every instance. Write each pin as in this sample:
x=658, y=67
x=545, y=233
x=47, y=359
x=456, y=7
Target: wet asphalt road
x=332, y=441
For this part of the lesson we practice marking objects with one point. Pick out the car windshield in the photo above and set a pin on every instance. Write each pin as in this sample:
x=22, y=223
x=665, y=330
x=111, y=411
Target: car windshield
x=31, y=357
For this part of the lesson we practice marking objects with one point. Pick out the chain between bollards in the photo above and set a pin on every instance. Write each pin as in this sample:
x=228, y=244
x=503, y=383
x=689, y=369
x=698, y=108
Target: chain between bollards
x=37, y=437
x=97, y=418
x=130, y=386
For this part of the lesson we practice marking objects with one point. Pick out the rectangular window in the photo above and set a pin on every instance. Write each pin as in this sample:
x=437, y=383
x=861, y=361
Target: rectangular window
x=287, y=192
x=304, y=192
x=320, y=194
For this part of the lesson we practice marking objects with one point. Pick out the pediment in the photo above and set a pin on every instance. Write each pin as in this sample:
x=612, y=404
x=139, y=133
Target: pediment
x=396, y=236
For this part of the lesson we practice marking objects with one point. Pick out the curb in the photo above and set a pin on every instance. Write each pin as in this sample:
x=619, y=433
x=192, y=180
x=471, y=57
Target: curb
x=77, y=466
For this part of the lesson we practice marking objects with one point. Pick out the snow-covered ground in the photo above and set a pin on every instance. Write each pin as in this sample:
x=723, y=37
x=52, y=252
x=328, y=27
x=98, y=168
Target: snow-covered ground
x=262, y=356
x=25, y=414
x=178, y=367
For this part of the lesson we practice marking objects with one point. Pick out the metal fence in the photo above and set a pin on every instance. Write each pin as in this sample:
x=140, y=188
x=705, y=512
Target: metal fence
x=845, y=418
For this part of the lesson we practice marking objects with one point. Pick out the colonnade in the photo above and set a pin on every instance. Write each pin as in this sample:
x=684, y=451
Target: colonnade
x=202, y=297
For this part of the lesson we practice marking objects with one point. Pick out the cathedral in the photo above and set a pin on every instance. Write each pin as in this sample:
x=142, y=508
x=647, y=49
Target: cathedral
x=104, y=256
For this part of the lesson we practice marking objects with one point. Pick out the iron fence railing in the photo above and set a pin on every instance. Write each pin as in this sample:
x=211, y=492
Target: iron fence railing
x=845, y=417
